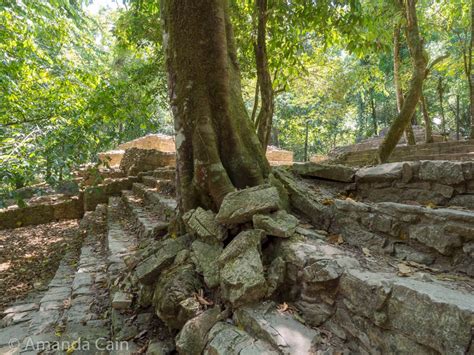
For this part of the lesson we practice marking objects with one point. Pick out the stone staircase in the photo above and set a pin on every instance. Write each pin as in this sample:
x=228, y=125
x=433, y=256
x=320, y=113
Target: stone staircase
x=337, y=285
x=452, y=150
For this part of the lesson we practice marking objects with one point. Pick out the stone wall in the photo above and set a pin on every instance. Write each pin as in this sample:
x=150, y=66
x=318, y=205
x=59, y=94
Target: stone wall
x=34, y=214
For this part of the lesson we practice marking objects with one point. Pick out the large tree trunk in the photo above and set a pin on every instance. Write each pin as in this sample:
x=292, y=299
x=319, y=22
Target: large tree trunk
x=263, y=122
x=216, y=145
x=415, y=45
x=409, y=135
x=426, y=118
x=469, y=71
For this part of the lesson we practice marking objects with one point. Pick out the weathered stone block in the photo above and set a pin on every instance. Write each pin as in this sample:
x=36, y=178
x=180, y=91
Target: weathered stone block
x=334, y=172
x=240, y=206
x=434, y=237
x=241, y=276
x=203, y=224
x=193, y=337
x=174, y=286
x=382, y=173
x=444, y=172
x=206, y=256
x=148, y=270
x=279, y=224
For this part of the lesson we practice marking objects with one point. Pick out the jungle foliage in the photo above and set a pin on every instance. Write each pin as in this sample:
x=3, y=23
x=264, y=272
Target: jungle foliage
x=75, y=83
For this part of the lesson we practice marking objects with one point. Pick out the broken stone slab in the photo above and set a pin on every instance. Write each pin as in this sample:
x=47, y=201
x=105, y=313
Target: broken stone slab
x=441, y=171
x=435, y=237
x=148, y=270
x=240, y=206
x=174, y=288
x=193, y=337
x=305, y=200
x=203, y=224
x=279, y=329
x=335, y=172
x=22, y=308
x=385, y=172
x=160, y=347
x=122, y=300
x=229, y=339
x=279, y=224
x=241, y=276
x=206, y=256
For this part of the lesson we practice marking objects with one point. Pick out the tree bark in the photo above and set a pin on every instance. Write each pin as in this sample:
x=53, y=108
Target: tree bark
x=412, y=98
x=441, y=106
x=264, y=119
x=458, y=113
x=469, y=71
x=374, y=115
x=216, y=145
x=426, y=118
x=409, y=135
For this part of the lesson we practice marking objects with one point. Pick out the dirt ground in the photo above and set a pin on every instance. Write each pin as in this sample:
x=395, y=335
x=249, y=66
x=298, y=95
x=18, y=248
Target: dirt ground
x=29, y=256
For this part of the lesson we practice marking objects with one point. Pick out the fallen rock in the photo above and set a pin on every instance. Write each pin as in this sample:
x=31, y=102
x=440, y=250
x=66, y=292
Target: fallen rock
x=241, y=276
x=279, y=329
x=173, y=295
x=279, y=224
x=160, y=347
x=229, y=339
x=240, y=206
x=193, y=337
x=122, y=300
x=203, y=224
x=147, y=270
x=336, y=172
x=206, y=256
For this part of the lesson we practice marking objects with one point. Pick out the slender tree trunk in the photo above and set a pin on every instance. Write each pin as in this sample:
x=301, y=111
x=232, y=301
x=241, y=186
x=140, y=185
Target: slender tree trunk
x=216, y=145
x=441, y=106
x=412, y=98
x=306, y=141
x=255, y=102
x=409, y=135
x=458, y=118
x=374, y=116
x=264, y=118
x=426, y=118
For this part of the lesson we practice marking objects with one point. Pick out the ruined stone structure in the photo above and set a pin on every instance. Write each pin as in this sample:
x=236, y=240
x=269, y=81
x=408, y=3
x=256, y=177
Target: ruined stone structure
x=164, y=143
x=322, y=257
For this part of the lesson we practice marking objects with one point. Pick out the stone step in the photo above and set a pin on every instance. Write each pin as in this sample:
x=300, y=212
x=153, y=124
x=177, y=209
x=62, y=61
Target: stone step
x=120, y=243
x=163, y=186
x=149, y=181
x=87, y=317
x=366, y=302
x=146, y=220
x=165, y=173
x=442, y=238
x=160, y=203
x=70, y=308
x=127, y=321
